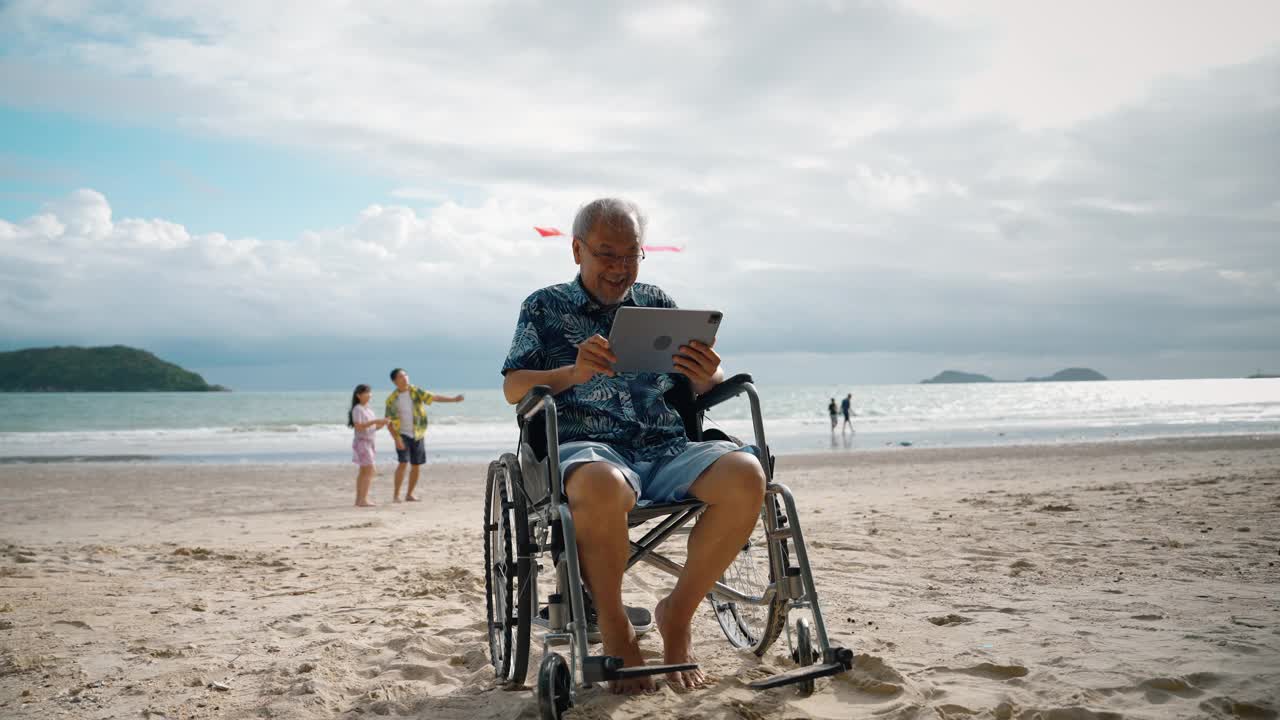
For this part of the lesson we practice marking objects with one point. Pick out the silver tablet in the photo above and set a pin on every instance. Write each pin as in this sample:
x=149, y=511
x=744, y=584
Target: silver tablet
x=644, y=339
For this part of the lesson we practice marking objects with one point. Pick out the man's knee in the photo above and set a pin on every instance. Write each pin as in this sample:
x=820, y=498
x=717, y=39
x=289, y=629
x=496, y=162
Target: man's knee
x=735, y=479
x=598, y=487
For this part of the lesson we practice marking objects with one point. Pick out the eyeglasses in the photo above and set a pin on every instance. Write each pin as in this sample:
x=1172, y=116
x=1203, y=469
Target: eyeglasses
x=611, y=259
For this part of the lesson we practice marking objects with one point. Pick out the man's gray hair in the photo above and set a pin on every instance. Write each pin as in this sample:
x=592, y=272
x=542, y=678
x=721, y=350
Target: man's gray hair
x=616, y=212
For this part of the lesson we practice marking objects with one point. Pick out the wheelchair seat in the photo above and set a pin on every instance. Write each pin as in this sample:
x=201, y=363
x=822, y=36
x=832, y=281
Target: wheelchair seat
x=642, y=514
x=533, y=450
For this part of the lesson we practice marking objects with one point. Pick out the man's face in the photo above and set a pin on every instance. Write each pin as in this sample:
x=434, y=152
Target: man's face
x=609, y=257
x=402, y=380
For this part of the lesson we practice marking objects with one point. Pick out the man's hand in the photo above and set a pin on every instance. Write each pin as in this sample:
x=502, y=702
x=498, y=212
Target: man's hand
x=698, y=362
x=399, y=443
x=594, y=356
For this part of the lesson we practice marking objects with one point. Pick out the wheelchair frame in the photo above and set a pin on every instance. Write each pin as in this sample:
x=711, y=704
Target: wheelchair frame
x=525, y=519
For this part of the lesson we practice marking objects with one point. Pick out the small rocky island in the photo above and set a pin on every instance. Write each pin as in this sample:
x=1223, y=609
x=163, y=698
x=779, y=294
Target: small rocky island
x=116, y=368
x=1074, y=374
x=955, y=376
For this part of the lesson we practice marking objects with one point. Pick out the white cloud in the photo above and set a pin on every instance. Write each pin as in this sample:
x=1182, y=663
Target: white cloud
x=357, y=280
x=888, y=191
x=669, y=21
x=1171, y=265
x=1053, y=64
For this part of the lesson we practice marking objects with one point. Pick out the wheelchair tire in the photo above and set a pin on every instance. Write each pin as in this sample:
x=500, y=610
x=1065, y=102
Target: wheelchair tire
x=555, y=696
x=508, y=595
x=752, y=627
x=804, y=655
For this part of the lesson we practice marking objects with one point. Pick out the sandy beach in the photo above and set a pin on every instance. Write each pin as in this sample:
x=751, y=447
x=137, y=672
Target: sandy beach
x=1133, y=579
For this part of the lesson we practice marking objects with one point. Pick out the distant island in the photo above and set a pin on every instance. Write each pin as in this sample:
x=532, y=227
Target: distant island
x=1262, y=376
x=955, y=376
x=1071, y=375
x=1067, y=375
x=99, y=369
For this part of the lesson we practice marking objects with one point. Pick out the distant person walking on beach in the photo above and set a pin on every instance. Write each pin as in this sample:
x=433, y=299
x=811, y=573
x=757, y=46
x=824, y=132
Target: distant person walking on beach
x=847, y=410
x=407, y=413
x=361, y=418
x=831, y=408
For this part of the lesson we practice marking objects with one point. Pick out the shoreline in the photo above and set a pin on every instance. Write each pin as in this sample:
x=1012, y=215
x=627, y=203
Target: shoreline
x=806, y=457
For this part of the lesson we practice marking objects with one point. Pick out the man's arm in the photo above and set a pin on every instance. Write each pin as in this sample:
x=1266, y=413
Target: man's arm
x=594, y=356
x=446, y=398
x=716, y=378
x=392, y=415
x=518, y=383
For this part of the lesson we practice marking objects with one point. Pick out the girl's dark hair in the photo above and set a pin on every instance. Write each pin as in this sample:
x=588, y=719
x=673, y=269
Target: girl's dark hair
x=355, y=400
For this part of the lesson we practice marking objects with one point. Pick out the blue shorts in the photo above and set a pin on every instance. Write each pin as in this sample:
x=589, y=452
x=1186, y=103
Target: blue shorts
x=415, y=451
x=654, y=481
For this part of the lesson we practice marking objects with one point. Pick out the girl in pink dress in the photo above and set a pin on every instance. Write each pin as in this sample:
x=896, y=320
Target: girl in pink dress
x=361, y=418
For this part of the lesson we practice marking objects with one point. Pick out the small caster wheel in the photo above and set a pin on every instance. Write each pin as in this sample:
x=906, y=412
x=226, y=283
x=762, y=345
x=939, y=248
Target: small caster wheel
x=804, y=655
x=554, y=687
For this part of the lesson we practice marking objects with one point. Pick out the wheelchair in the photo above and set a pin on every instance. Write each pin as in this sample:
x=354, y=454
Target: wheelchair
x=527, y=519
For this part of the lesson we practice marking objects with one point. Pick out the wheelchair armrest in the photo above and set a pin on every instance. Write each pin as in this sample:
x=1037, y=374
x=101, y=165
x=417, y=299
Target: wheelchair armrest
x=726, y=390
x=532, y=402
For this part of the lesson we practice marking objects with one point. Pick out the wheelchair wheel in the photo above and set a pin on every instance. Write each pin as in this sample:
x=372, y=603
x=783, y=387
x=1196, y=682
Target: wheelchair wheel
x=508, y=596
x=804, y=655
x=554, y=691
x=752, y=626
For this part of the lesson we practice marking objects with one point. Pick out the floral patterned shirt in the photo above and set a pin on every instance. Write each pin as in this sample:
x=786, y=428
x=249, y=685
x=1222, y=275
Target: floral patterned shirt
x=627, y=411
x=420, y=399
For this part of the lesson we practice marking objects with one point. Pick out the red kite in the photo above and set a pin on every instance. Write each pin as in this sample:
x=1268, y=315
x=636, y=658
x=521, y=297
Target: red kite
x=555, y=232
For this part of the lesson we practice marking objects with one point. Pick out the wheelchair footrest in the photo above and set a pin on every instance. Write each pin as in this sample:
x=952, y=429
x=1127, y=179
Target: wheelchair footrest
x=838, y=660
x=599, y=668
x=643, y=670
x=800, y=674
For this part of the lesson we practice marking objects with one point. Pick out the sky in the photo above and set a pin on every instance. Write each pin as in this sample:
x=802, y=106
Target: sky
x=304, y=195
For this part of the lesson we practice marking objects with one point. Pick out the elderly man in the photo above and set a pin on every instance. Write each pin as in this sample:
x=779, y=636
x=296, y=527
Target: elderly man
x=619, y=440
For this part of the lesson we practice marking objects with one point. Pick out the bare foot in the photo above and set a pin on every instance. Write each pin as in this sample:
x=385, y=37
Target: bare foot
x=395, y=499
x=366, y=503
x=410, y=498
x=628, y=649
x=677, y=647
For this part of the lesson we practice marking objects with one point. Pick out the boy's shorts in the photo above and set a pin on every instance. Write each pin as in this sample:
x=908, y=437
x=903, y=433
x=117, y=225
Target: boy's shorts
x=654, y=481
x=414, y=452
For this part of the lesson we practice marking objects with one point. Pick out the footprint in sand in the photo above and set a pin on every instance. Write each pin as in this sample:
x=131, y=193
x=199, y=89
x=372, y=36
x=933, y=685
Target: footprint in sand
x=1158, y=688
x=1232, y=708
x=990, y=671
x=950, y=619
x=871, y=674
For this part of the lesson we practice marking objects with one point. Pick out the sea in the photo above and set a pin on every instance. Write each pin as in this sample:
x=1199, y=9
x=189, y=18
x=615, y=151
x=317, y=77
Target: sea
x=310, y=427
